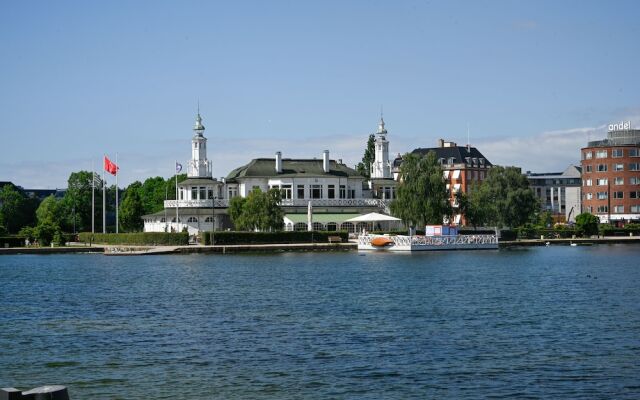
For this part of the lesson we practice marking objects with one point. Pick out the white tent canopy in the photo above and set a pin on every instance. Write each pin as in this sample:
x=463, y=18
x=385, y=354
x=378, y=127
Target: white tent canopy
x=373, y=217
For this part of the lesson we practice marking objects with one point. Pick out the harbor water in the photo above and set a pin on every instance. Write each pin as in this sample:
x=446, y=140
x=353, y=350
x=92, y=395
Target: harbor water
x=547, y=322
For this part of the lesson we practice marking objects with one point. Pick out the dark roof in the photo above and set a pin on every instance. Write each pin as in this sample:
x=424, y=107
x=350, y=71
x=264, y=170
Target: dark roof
x=265, y=167
x=458, y=153
x=199, y=181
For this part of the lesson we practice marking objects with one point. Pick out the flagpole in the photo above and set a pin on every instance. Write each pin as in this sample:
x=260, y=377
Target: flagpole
x=104, y=198
x=117, y=221
x=93, y=198
x=177, y=216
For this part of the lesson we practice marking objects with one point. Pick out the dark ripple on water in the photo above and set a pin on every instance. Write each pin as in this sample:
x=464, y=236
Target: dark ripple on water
x=529, y=323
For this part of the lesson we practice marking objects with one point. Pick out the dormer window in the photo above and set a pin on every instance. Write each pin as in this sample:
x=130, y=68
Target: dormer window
x=451, y=160
x=441, y=161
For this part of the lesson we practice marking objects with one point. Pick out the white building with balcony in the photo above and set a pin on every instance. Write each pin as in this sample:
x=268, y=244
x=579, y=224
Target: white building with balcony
x=335, y=191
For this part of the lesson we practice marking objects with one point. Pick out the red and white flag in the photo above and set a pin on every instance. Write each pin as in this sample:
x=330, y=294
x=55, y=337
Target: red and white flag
x=110, y=166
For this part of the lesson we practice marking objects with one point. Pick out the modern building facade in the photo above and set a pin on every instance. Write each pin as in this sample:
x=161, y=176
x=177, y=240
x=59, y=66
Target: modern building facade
x=611, y=175
x=464, y=166
x=558, y=192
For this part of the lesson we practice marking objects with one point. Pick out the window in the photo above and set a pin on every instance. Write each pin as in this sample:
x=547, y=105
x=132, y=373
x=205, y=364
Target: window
x=634, y=152
x=192, y=219
x=602, y=168
x=331, y=191
x=634, y=167
x=601, y=154
x=633, y=195
x=618, y=209
x=181, y=194
x=618, y=181
x=203, y=193
x=588, y=155
x=343, y=191
x=386, y=193
x=602, y=181
x=351, y=193
x=635, y=209
x=208, y=219
x=603, y=209
x=194, y=193
x=589, y=168
x=316, y=191
x=233, y=192
x=616, y=153
x=603, y=195
x=174, y=220
x=163, y=219
x=618, y=167
x=210, y=194
x=634, y=180
x=589, y=196
x=618, y=195
x=286, y=192
x=589, y=182
x=300, y=191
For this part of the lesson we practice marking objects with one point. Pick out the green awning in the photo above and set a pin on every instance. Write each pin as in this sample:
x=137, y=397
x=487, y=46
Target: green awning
x=322, y=218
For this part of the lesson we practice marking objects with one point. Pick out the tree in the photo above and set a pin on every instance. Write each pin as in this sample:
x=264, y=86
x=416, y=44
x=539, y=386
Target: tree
x=505, y=198
x=50, y=209
x=471, y=206
x=16, y=210
x=77, y=200
x=132, y=209
x=153, y=192
x=422, y=197
x=587, y=224
x=258, y=211
x=364, y=167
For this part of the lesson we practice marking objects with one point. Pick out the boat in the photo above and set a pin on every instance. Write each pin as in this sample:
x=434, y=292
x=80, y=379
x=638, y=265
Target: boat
x=434, y=240
x=138, y=250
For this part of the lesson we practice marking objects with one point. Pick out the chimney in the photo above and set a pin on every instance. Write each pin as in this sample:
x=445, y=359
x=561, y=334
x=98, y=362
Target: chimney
x=278, y=162
x=340, y=161
x=440, y=142
x=325, y=161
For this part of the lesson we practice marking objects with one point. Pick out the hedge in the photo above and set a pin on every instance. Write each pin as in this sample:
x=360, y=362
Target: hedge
x=12, y=241
x=610, y=230
x=232, y=237
x=139, y=238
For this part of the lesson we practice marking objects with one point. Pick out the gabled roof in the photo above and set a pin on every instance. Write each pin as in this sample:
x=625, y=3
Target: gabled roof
x=265, y=168
x=199, y=181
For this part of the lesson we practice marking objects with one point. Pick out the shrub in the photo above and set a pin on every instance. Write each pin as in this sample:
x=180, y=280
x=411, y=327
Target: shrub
x=233, y=237
x=138, y=238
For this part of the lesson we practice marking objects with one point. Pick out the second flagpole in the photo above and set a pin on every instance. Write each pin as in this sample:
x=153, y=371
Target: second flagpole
x=117, y=220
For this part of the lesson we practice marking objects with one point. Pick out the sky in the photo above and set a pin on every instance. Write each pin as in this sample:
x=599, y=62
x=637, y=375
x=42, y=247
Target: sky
x=529, y=83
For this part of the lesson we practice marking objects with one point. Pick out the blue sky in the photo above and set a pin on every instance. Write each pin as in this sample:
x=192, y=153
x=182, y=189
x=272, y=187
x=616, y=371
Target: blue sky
x=534, y=80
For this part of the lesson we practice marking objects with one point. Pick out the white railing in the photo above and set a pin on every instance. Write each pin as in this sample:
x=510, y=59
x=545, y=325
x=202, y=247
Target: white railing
x=220, y=203
x=402, y=240
x=223, y=203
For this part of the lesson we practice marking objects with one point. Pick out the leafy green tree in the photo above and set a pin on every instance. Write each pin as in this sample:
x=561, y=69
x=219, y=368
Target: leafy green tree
x=422, y=197
x=153, y=192
x=236, y=206
x=471, y=206
x=132, y=209
x=171, y=185
x=16, y=210
x=77, y=201
x=364, y=167
x=587, y=224
x=45, y=232
x=50, y=209
x=506, y=198
x=258, y=211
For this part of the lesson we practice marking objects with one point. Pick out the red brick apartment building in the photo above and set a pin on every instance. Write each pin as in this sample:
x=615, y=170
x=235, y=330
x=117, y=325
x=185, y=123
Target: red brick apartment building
x=611, y=175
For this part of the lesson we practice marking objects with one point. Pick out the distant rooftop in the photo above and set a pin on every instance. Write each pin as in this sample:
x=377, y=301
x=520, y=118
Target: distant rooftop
x=618, y=138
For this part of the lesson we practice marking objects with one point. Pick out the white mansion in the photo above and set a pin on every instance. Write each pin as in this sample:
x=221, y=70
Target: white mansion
x=335, y=191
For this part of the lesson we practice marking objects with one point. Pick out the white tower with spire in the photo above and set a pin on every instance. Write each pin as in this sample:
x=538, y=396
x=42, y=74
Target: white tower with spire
x=381, y=168
x=199, y=166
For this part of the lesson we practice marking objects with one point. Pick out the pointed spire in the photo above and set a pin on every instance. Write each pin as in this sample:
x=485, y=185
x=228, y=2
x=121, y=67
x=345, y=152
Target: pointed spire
x=381, y=129
x=198, y=128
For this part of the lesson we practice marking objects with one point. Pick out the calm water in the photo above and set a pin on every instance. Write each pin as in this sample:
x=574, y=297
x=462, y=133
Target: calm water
x=557, y=322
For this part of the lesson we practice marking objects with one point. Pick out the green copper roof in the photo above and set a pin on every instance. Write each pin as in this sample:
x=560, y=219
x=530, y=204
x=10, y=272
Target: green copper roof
x=265, y=167
x=322, y=218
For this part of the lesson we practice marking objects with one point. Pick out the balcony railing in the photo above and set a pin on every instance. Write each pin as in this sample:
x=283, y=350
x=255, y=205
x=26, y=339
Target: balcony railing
x=223, y=203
